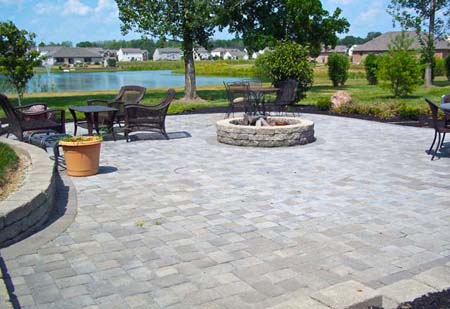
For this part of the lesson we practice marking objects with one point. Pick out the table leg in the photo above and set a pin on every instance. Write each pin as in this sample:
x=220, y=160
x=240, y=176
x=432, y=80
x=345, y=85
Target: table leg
x=89, y=123
x=96, y=123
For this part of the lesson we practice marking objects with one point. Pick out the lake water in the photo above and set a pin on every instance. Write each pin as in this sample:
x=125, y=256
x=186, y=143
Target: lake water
x=57, y=82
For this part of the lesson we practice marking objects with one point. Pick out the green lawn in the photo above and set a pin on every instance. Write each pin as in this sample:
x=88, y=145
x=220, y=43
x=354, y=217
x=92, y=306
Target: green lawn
x=369, y=99
x=8, y=161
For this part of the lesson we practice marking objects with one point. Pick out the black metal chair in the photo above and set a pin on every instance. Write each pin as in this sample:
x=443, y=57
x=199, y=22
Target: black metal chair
x=238, y=95
x=285, y=97
x=20, y=120
x=140, y=117
x=439, y=128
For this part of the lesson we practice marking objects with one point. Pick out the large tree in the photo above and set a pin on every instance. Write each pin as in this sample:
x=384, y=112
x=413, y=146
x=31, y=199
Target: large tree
x=17, y=59
x=262, y=23
x=191, y=21
x=426, y=17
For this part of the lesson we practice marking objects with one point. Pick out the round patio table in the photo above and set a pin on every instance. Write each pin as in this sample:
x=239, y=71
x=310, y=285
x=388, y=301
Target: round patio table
x=257, y=95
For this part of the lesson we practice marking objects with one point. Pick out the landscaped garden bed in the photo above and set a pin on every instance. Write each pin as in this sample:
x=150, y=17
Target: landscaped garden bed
x=9, y=170
x=436, y=300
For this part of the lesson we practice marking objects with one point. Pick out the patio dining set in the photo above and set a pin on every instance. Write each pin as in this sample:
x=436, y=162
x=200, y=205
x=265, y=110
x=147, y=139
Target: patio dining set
x=124, y=111
x=256, y=99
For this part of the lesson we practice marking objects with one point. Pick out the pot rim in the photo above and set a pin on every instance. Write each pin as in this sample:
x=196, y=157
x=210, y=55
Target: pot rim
x=82, y=141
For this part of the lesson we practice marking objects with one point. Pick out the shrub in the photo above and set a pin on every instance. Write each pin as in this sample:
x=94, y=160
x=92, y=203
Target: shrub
x=439, y=68
x=338, y=66
x=447, y=67
x=399, y=69
x=408, y=111
x=111, y=62
x=323, y=104
x=381, y=111
x=371, y=67
x=287, y=60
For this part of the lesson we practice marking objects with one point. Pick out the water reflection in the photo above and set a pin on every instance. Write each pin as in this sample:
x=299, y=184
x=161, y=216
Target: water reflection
x=113, y=80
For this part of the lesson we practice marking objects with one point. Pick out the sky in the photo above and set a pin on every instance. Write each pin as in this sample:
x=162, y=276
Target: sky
x=97, y=20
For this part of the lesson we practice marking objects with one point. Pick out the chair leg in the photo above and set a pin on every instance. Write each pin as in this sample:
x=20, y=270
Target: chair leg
x=163, y=131
x=75, y=129
x=442, y=142
x=432, y=144
x=113, y=134
x=437, y=146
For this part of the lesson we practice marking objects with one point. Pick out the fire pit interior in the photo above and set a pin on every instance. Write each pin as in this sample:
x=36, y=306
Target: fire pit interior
x=258, y=131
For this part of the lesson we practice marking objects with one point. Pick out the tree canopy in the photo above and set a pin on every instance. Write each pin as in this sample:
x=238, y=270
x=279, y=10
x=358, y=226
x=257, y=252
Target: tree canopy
x=17, y=58
x=262, y=23
x=191, y=21
x=423, y=16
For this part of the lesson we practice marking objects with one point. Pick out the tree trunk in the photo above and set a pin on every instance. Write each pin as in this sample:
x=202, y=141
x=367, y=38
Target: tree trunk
x=19, y=96
x=190, y=87
x=428, y=77
x=430, y=45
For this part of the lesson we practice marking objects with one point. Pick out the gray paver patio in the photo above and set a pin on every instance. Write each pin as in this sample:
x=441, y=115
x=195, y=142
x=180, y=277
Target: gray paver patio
x=189, y=222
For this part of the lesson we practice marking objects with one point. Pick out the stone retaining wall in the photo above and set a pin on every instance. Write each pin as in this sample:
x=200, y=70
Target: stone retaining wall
x=298, y=132
x=24, y=211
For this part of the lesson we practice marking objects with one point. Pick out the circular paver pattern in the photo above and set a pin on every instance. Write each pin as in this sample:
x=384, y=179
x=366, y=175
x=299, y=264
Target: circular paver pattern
x=296, y=131
x=190, y=221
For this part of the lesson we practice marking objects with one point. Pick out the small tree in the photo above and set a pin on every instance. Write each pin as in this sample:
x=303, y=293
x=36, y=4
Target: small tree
x=287, y=61
x=447, y=67
x=400, y=70
x=371, y=66
x=16, y=57
x=192, y=22
x=338, y=66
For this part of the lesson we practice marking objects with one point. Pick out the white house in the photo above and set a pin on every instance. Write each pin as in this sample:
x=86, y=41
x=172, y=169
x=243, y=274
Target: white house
x=259, y=52
x=228, y=53
x=132, y=54
x=167, y=54
x=69, y=55
x=234, y=54
x=201, y=54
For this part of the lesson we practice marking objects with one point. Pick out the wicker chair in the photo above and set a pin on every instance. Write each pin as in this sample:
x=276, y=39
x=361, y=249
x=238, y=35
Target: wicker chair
x=140, y=117
x=238, y=94
x=127, y=95
x=285, y=97
x=20, y=120
x=439, y=128
x=446, y=99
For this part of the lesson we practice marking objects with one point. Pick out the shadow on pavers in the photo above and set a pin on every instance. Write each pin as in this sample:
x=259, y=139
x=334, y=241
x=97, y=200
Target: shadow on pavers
x=32, y=241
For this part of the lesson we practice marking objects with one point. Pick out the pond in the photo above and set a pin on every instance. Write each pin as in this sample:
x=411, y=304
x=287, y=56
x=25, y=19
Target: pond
x=58, y=82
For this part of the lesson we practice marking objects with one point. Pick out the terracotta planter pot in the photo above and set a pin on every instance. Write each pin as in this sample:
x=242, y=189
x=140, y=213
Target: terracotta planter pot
x=82, y=155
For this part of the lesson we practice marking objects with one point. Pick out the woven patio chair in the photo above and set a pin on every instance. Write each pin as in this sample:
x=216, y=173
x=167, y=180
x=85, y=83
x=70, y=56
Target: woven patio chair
x=140, y=117
x=20, y=120
x=446, y=99
x=285, y=97
x=439, y=128
x=238, y=94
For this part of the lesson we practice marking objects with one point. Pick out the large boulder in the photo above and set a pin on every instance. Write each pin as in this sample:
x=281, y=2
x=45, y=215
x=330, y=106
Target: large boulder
x=340, y=98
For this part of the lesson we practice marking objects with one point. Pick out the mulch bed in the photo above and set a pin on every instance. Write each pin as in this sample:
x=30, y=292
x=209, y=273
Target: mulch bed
x=423, y=121
x=436, y=300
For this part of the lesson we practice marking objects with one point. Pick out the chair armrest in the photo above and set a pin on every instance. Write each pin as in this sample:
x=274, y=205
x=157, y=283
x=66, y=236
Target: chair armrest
x=93, y=101
x=146, y=107
x=19, y=108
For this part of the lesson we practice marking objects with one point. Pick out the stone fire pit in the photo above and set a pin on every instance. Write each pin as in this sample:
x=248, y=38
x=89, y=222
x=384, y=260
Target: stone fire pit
x=283, y=131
